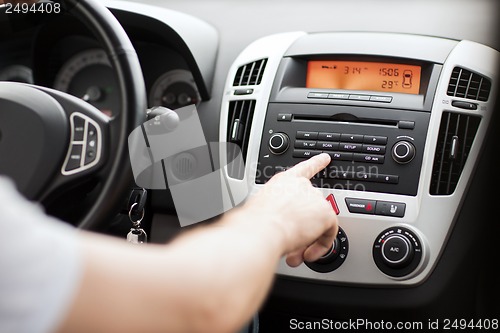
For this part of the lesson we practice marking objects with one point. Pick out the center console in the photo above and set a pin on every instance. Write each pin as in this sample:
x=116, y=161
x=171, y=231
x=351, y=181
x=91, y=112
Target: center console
x=403, y=118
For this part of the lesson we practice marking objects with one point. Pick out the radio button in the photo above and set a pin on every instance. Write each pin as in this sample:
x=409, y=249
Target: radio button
x=374, y=149
x=346, y=175
x=338, y=96
x=305, y=144
x=388, y=179
x=300, y=153
x=278, y=143
x=340, y=156
x=353, y=147
x=381, y=99
x=284, y=117
x=317, y=95
x=359, y=97
x=305, y=135
x=278, y=169
x=367, y=177
x=329, y=136
x=369, y=158
x=375, y=140
x=358, y=138
x=406, y=124
x=327, y=145
x=403, y=152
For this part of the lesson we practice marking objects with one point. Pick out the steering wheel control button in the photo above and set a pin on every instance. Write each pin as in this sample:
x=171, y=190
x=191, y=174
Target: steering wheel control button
x=361, y=206
x=397, y=251
x=333, y=203
x=278, y=143
x=334, y=258
x=75, y=157
x=92, y=144
x=85, y=147
x=403, y=152
x=79, y=128
x=395, y=209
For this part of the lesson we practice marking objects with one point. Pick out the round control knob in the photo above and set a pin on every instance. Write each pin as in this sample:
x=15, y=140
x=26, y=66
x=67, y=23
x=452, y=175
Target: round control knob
x=331, y=255
x=278, y=143
x=397, y=251
x=403, y=152
x=334, y=257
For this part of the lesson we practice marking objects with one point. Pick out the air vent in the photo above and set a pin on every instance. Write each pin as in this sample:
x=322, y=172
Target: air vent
x=238, y=132
x=466, y=84
x=456, y=134
x=250, y=74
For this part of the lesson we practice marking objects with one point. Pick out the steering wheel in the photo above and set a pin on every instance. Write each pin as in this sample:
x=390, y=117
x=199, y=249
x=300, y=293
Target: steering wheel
x=51, y=141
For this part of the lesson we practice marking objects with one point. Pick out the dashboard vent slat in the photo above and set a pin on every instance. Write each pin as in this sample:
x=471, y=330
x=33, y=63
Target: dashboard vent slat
x=466, y=84
x=238, y=132
x=456, y=135
x=250, y=74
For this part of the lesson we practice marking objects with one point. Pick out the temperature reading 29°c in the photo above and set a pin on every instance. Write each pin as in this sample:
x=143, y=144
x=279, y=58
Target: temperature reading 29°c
x=371, y=76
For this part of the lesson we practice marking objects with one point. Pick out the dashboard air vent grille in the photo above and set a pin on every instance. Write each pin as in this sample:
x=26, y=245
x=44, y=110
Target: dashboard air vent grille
x=250, y=74
x=466, y=84
x=456, y=134
x=238, y=132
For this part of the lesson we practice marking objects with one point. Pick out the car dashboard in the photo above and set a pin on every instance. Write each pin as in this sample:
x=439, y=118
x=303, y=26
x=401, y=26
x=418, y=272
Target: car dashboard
x=70, y=59
x=406, y=109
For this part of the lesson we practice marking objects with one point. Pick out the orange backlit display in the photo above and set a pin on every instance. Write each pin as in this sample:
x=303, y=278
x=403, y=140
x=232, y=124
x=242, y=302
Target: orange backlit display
x=359, y=75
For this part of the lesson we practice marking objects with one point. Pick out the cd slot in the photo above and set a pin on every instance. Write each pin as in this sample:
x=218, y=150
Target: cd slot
x=346, y=118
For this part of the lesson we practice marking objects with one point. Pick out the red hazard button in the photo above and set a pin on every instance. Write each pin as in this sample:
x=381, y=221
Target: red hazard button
x=360, y=206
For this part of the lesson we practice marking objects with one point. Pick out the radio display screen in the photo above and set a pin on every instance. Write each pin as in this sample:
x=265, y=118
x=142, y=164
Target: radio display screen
x=363, y=75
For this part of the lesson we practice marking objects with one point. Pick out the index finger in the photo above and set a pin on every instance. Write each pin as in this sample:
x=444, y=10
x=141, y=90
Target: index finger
x=310, y=167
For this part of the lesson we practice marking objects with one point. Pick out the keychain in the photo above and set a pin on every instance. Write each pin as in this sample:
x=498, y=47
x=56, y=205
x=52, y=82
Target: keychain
x=136, y=235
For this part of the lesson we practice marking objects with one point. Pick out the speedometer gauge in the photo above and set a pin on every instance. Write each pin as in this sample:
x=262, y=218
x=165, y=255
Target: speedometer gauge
x=174, y=90
x=89, y=76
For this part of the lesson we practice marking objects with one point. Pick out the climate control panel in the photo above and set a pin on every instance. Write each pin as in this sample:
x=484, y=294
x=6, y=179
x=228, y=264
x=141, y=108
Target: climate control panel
x=334, y=257
x=397, y=251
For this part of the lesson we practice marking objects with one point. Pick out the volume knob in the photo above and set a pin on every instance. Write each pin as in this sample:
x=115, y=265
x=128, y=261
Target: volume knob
x=403, y=152
x=278, y=143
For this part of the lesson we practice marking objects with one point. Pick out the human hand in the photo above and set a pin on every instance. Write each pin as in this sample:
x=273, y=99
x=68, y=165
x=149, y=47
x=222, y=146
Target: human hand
x=307, y=220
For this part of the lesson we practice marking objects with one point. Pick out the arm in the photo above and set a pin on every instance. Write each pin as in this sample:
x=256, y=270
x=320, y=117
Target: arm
x=212, y=279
